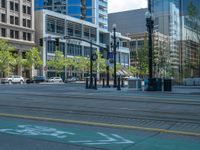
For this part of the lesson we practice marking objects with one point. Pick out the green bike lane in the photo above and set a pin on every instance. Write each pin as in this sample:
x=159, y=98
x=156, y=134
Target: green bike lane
x=97, y=137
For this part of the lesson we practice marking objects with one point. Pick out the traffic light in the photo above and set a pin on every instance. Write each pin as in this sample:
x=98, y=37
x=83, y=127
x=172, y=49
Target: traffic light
x=41, y=42
x=57, y=41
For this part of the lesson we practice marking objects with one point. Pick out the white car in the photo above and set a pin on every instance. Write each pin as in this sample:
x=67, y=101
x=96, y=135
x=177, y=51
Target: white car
x=55, y=79
x=13, y=79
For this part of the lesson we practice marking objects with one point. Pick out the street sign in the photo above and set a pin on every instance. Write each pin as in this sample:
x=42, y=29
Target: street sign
x=110, y=54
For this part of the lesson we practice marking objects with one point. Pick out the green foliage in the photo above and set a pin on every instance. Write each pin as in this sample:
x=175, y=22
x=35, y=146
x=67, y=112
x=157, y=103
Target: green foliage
x=81, y=63
x=32, y=58
x=58, y=62
x=142, y=57
x=133, y=70
x=6, y=58
x=100, y=63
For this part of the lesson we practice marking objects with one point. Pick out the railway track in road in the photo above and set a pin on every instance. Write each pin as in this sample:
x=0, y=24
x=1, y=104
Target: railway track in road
x=111, y=113
x=75, y=108
x=140, y=99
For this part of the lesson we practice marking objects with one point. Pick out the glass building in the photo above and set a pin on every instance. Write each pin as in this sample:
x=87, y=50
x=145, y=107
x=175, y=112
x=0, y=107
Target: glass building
x=179, y=20
x=94, y=11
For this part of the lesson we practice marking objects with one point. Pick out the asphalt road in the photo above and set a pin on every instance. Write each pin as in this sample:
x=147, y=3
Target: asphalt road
x=67, y=116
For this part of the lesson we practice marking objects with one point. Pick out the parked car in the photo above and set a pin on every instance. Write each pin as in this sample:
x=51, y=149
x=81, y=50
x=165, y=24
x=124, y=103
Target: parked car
x=36, y=79
x=55, y=79
x=71, y=79
x=13, y=79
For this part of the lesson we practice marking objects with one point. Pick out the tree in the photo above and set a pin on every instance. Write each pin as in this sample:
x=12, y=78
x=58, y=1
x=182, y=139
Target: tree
x=142, y=57
x=133, y=70
x=69, y=63
x=81, y=64
x=58, y=62
x=6, y=57
x=100, y=63
x=32, y=59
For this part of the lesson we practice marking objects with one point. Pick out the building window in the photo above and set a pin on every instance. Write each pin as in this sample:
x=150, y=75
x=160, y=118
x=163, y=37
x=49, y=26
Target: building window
x=86, y=31
x=11, y=19
x=3, y=3
x=124, y=44
x=70, y=28
x=24, y=22
x=3, y=32
x=51, y=47
x=11, y=33
x=3, y=17
x=60, y=26
x=12, y=6
x=51, y=26
x=29, y=23
x=28, y=36
x=78, y=30
x=24, y=35
x=16, y=34
x=16, y=20
x=133, y=44
x=74, y=50
x=24, y=9
x=140, y=44
x=28, y=10
x=16, y=7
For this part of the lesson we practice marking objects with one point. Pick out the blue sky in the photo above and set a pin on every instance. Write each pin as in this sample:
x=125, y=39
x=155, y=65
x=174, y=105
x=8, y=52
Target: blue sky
x=122, y=5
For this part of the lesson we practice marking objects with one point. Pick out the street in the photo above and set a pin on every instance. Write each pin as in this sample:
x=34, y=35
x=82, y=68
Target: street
x=67, y=116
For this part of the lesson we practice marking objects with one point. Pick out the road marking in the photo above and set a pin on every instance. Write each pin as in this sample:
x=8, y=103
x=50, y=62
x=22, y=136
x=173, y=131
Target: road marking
x=74, y=136
x=117, y=140
x=32, y=130
x=100, y=124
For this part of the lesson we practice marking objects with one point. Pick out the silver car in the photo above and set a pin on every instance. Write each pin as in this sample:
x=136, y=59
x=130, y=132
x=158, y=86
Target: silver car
x=13, y=79
x=55, y=79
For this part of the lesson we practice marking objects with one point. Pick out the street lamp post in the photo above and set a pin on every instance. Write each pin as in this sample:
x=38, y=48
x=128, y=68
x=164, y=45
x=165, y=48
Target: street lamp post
x=114, y=52
x=107, y=68
x=91, y=66
x=150, y=25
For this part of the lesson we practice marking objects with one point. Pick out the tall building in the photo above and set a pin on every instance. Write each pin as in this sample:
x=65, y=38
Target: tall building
x=173, y=20
x=94, y=11
x=132, y=24
x=176, y=34
x=17, y=26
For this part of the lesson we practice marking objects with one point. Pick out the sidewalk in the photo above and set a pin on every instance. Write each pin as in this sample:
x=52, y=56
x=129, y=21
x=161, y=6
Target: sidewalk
x=175, y=90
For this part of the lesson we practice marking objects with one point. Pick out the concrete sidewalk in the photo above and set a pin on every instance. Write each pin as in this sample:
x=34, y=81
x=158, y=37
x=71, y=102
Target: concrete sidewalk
x=175, y=90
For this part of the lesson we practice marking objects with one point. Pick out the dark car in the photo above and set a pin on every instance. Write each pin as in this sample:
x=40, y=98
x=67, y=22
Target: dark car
x=36, y=79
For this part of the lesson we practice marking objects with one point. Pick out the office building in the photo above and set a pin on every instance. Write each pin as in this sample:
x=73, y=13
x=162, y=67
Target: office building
x=94, y=11
x=172, y=19
x=17, y=26
x=51, y=25
x=176, y=31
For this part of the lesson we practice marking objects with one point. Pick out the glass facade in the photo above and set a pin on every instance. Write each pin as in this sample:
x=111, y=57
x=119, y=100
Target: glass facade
x=177, y=23
x=94, y=11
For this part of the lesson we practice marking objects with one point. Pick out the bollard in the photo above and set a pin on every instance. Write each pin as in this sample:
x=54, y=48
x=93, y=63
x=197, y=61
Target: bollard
x=95, y=83
x=91, y=83
x=86, y=83
x=103, y=82
x=122, y=85
x=118, y=85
